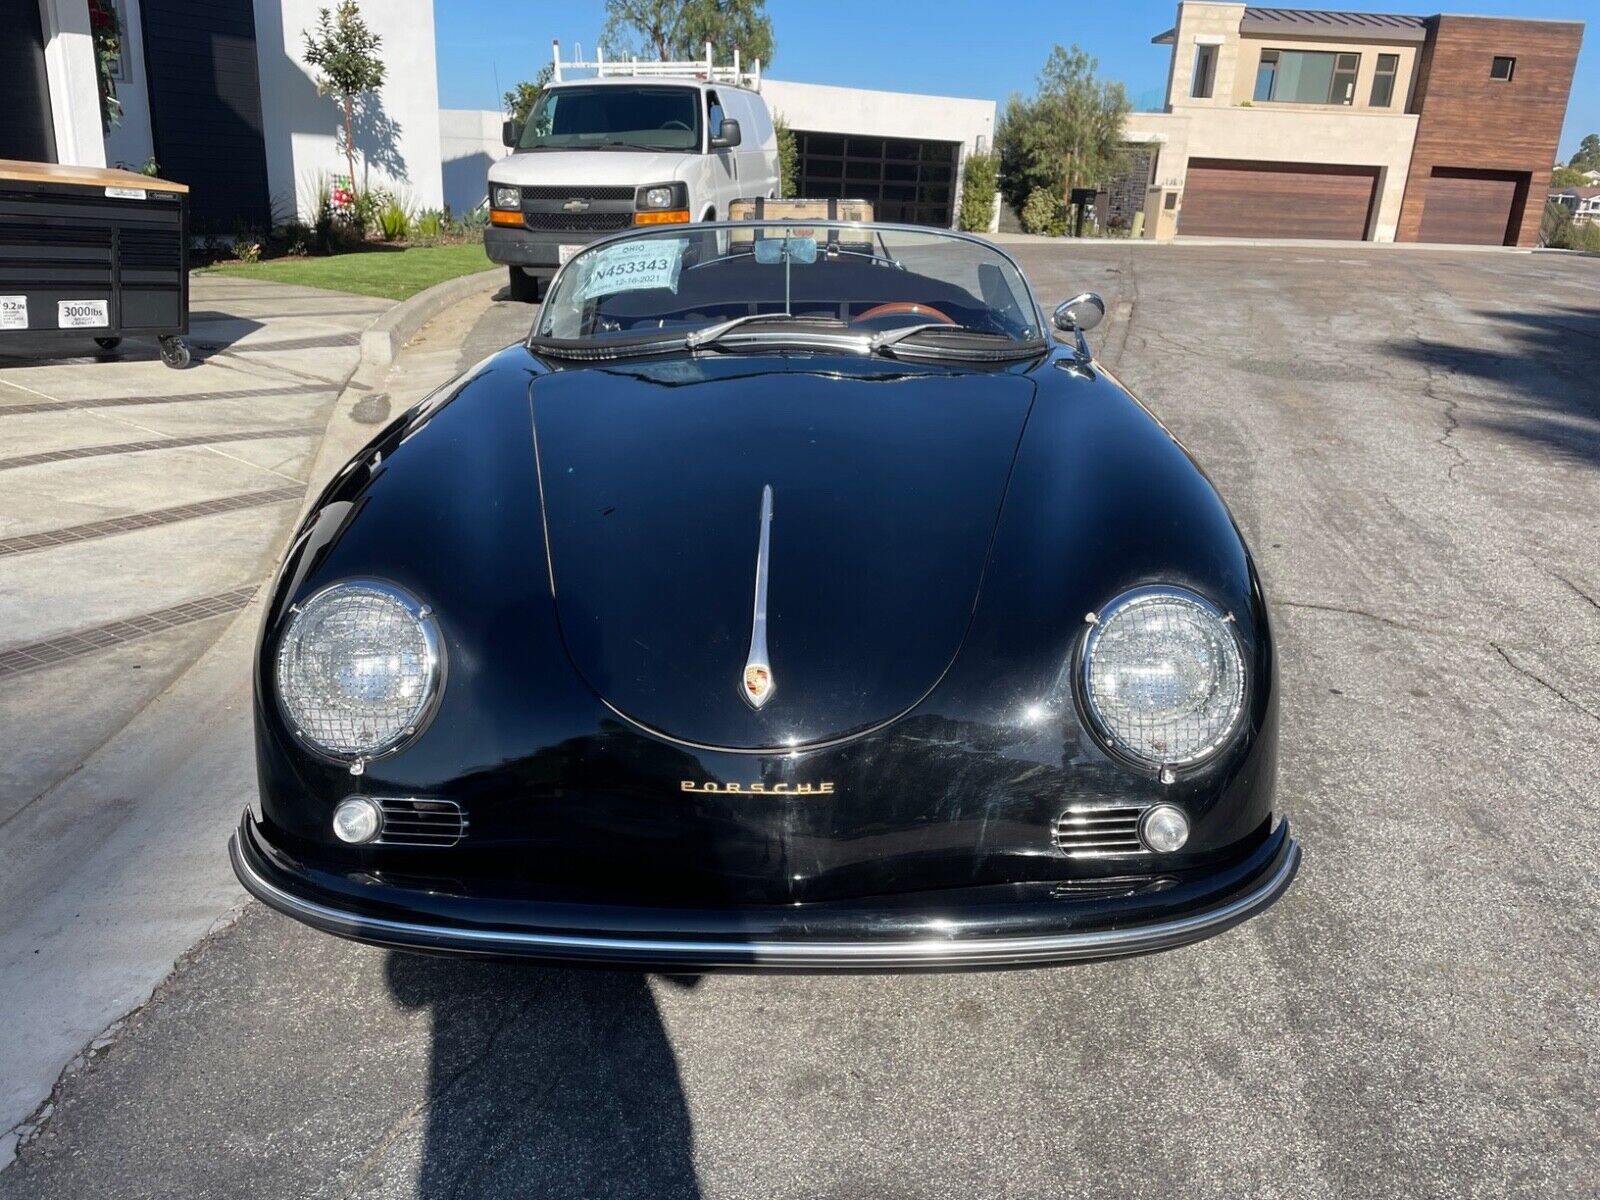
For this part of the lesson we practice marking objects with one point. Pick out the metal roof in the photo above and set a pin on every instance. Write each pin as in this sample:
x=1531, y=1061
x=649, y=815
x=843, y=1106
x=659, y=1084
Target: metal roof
x=1321, y=22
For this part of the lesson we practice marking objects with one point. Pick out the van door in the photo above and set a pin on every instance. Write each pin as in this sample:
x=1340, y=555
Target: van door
x=758, y=170
x=725, y=161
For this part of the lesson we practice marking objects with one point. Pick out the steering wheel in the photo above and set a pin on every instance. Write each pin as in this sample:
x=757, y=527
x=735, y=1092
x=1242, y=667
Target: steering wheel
x=676, y=124
x=897, y=308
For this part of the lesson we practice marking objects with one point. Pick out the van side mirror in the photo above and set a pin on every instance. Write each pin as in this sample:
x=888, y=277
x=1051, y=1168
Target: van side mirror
x=511, y=133
x=729, y=137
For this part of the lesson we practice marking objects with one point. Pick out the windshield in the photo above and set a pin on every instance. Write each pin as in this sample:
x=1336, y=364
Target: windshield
x=826, y=276
x=615, y=116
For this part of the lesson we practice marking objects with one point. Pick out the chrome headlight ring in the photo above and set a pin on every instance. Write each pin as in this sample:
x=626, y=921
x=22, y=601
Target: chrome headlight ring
x=328, y=700
x=1162, y=678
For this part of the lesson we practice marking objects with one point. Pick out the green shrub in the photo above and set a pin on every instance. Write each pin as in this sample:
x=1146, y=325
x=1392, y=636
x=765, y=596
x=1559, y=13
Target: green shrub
x=1587, y=237
x=394, y=220
x=295, y=236
x=977, y=192
x=1044, y=213
x=429, y=225
x=788, y=158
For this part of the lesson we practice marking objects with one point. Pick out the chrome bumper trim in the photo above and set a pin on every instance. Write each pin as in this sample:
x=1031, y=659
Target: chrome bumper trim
x=796, y=955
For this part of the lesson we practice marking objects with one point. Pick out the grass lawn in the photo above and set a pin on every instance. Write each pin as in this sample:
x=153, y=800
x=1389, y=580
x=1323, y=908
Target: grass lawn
x=391, y=273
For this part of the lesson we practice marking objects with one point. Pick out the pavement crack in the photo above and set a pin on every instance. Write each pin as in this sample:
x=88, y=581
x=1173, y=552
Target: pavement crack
x=435, y=1096
x=1344, y=610
x=1530, y=673
x=1571, y=587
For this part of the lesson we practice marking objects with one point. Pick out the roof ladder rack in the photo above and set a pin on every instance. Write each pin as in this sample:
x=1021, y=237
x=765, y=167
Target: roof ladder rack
x=695, y=68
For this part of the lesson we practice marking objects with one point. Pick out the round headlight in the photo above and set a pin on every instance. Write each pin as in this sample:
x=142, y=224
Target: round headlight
x=507, y=197
x=359, y=669
x=1163, y=677
x=658, y=197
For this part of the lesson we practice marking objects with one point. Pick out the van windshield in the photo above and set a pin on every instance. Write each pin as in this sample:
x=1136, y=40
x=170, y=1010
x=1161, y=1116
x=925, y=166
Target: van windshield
x=617, y=117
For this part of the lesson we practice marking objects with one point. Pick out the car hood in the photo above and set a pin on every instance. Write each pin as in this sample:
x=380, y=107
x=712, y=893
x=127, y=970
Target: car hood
x=886, y=485
x=582, y=168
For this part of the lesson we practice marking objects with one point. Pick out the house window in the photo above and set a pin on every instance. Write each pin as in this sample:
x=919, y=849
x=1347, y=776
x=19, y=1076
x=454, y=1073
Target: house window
x=1502, y=68
x=1307, y=77
x=1205, y=72
x=1383, y=80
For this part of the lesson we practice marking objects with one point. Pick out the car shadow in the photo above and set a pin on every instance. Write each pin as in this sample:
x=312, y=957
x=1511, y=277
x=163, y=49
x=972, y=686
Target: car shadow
x=1543, y=365
x=546, y=1082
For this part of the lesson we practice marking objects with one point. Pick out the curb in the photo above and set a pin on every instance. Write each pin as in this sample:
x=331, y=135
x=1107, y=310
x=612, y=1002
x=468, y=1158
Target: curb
x=383, y=338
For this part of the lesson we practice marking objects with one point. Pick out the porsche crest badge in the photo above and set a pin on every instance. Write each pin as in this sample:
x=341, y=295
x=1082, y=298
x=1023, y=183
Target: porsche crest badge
x=757, y=683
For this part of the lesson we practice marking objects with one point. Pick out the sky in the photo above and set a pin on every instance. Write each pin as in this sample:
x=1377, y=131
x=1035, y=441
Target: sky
x=939, y=46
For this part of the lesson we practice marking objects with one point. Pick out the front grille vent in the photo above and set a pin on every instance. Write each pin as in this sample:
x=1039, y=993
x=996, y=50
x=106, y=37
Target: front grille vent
x=422, y=823
x=578, y=222
x=576, y=191
x=1099, y=832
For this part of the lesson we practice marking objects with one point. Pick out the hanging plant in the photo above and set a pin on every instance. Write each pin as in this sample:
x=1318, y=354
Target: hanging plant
x=107, y=53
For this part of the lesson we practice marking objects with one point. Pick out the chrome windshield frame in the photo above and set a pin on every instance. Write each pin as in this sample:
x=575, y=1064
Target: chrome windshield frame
x=1046, y=334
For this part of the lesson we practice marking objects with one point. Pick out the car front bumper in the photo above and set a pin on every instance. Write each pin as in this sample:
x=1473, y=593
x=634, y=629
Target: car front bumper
x=1010, y=925
x=535, y=250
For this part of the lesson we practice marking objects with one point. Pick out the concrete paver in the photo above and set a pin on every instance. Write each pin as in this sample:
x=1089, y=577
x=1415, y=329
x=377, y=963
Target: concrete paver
x=1412, y=444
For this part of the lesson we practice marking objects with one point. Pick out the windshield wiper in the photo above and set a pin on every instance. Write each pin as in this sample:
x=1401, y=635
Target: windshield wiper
x=891, y=336
x=713, y=333
x=627, y=145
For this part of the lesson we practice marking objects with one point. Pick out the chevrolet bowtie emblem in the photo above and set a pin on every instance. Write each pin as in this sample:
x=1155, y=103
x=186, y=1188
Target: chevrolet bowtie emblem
x=576, y=206
x=758, y=684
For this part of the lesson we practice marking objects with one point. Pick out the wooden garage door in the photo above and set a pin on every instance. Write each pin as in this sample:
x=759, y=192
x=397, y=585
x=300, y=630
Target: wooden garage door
x=1470, y=207
x=1234, y=198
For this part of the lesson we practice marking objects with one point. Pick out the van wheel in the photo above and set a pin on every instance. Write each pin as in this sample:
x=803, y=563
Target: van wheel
x=525, y=288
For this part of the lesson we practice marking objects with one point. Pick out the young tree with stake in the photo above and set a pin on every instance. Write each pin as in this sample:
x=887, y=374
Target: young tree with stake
x=345, y=51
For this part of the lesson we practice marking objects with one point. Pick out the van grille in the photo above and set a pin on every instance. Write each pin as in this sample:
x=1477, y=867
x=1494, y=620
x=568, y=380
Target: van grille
x=578, y=222
x=421, y=823
x=1099, y=832
x=576, y=191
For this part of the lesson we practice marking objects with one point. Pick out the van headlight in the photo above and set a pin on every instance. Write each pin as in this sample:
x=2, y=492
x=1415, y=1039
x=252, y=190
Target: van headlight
x=662, y=195
x=359, y=669
x=506, y=197
x=1162, y=677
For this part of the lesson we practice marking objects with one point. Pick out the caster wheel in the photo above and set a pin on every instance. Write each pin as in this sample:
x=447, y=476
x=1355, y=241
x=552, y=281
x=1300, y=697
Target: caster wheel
x=175, y=353
x=108, y=343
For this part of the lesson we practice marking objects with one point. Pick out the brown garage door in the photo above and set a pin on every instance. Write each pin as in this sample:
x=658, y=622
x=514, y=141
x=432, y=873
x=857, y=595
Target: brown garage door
x=1471, y=207
x=1233, y=198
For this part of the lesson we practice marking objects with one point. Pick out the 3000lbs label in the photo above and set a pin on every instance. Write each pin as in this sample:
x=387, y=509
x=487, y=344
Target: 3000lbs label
x=82, y=314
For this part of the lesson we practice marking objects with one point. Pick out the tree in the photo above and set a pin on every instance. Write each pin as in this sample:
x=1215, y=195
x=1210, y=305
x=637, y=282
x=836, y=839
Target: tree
x=1588, y=156
x=1068, y=134
x=679, y=29
x=519, y=101
x=345, y=51
x=788, y=158
x=977, y=192
x=1562, y=177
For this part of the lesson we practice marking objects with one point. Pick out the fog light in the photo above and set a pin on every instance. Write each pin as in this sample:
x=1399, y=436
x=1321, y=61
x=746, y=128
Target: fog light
x=1164, y=829
x=357, y=820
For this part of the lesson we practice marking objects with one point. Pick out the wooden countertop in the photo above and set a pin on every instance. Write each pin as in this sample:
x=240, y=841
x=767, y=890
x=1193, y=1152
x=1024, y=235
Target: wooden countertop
x=97, y=177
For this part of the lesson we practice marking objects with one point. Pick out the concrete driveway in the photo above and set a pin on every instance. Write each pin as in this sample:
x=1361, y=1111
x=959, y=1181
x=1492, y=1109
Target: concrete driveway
x=1411, y=440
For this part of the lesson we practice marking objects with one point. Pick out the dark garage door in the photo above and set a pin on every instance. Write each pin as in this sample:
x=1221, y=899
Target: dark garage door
x=1471, y=207
x=912, y=182
x=1231, y=198
x=26, y=129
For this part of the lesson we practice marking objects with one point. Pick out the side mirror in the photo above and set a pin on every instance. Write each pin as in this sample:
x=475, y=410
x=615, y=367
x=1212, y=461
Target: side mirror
x=1080, y=314
x=511, y=133
x=729, y=137
x=1077, y=316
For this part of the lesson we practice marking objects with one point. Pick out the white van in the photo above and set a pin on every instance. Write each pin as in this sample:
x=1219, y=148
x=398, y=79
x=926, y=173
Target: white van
x=639, y=144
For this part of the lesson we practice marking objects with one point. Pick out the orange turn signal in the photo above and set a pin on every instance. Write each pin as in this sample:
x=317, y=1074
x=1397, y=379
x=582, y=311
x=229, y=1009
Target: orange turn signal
x=667, y=216
x=504, y=216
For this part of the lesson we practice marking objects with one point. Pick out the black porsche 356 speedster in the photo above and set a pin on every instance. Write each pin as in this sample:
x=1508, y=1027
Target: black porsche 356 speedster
x=792, y=598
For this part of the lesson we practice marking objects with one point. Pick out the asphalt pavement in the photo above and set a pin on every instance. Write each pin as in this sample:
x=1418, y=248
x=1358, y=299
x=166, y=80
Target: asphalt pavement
x=1411, y=442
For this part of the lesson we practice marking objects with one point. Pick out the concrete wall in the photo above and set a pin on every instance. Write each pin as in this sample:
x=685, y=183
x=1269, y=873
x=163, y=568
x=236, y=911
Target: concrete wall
x=469, y=144
x=1294, y=134
x=74, y=86
x=397, y=138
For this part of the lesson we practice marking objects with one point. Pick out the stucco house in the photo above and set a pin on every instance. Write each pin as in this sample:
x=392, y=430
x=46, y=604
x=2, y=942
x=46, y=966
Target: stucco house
x=1383, y=127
